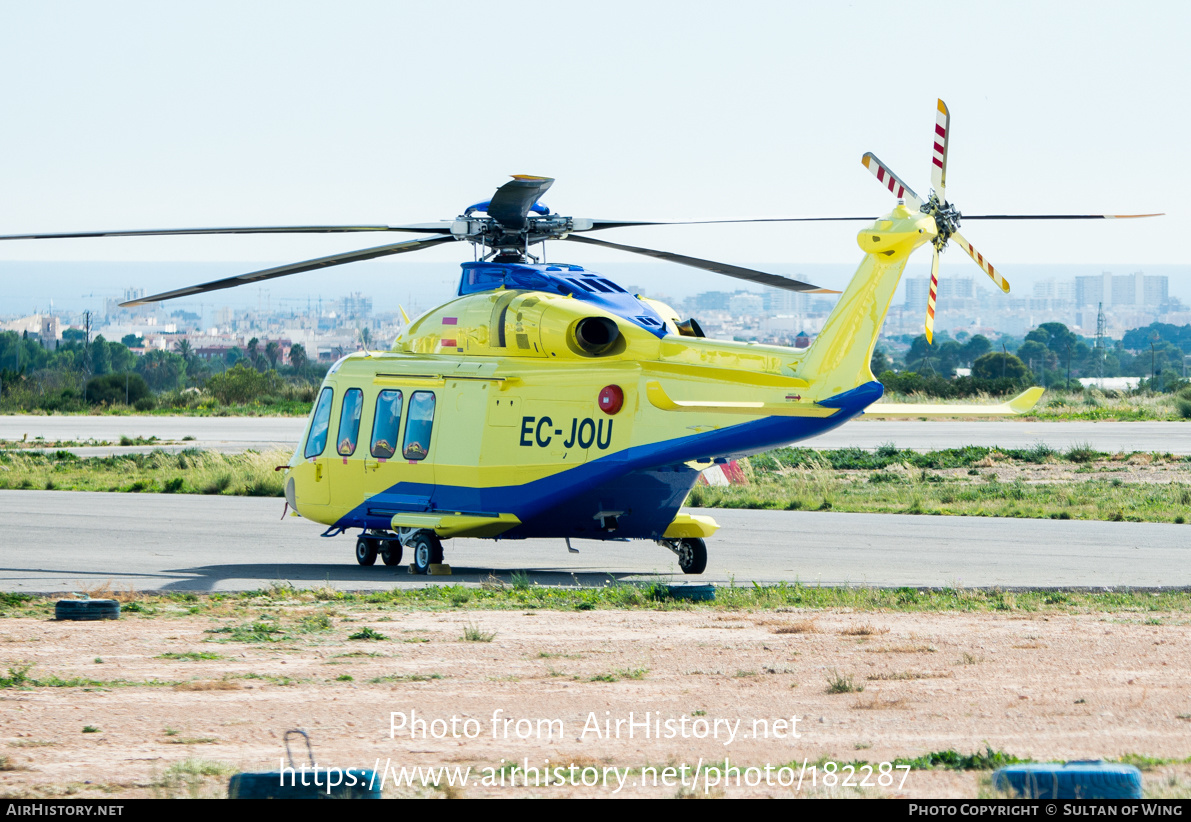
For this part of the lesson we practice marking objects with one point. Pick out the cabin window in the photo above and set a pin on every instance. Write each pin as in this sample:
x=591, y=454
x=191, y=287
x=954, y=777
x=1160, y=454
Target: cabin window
x=386, y=425
x=319, y=424
x=418, y=425
x=349, y=421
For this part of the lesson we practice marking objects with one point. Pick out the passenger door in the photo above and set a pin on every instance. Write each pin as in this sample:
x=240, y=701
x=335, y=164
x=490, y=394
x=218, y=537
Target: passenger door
x=312, y=482
x=345, y=462
x=399, y=467
x=417, y=443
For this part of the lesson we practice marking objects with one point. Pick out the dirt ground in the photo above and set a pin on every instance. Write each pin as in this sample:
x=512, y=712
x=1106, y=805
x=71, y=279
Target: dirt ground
x=541, y=685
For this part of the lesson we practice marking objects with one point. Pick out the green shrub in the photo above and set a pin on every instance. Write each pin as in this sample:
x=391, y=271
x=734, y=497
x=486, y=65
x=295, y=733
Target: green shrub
x=242, y=384
x=112, y=389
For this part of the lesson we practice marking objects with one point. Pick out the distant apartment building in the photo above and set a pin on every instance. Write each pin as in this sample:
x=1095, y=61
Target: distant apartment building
x=1054, y=290
x=1137, y=289
x=917, y=291
x=746, y=304
x=950, y=288
x=712, y=300
x=780, y=301
x=355, y=306
x=113, y=311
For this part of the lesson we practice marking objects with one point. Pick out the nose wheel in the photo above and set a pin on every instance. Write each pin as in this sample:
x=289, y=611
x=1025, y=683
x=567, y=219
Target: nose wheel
x=366, y=551
x=390, y=552
x=373, y=543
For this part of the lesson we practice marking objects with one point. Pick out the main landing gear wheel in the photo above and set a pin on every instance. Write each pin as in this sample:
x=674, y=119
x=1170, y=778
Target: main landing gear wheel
x=390, y=552
x=427, y=551
x=692, y=555
x=365, y=551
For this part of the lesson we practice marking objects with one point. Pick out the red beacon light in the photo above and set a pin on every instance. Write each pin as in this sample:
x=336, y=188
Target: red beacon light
x=611, y=399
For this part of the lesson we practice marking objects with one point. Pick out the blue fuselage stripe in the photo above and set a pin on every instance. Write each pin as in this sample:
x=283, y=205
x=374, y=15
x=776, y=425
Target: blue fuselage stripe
x=532, y=499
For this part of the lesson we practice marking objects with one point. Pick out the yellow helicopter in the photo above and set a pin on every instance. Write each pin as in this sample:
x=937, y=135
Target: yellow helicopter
x=544, y=400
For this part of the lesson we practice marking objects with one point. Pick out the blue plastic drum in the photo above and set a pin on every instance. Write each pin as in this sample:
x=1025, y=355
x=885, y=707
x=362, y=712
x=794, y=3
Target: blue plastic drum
x=344, y=783
x=1072, y=780
x=692, y=593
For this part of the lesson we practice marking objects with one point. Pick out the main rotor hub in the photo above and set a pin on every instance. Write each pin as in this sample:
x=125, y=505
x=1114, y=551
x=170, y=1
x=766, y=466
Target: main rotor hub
x=486, y=231
x=946, y=217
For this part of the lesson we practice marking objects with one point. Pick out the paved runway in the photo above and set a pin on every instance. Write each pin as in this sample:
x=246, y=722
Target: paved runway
x=263, y=433
x=56, y=541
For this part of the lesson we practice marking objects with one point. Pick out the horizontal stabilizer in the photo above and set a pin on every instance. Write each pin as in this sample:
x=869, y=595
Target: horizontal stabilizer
x=457, y=525
x=1020, y=404
x=658, y=398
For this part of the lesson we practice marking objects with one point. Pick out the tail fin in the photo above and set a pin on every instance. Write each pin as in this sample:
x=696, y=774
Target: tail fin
x=838, y=360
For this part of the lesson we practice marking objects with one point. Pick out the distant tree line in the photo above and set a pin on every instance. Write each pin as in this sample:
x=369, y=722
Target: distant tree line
x=74, y=374
x=1051, y=354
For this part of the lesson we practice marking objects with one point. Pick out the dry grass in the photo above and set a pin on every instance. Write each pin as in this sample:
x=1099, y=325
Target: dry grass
x=876, y=703
x=887, y=676
x=209, y=685
x=188, y=472
x=806, y=626
x=902, y=649
x=105, y=590
x=863, y=630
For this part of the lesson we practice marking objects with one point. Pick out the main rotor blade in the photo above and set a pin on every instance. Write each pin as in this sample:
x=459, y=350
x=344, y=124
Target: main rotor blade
x=512, y=201
x=1059, y=216
x=600, y=225
x=708, y=265
x=441, y=227
x=995, y=275
x=891, y=181
x=294, y=268
x=938, y=170
x=932, y=297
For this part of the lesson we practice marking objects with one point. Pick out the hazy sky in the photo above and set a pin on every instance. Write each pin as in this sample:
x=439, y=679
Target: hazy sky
x=144, y=115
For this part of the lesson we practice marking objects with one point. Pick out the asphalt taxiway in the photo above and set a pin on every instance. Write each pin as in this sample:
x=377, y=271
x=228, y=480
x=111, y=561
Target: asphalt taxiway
x=60, y=541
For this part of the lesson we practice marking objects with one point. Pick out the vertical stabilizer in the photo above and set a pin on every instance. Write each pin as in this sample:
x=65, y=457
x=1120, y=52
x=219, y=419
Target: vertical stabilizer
x=838, y=360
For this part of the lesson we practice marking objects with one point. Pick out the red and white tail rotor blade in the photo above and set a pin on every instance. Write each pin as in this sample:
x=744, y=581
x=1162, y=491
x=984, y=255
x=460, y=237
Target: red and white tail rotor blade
x=891, y=181
x=980, y=261
x=938, y=169
x=932, y=297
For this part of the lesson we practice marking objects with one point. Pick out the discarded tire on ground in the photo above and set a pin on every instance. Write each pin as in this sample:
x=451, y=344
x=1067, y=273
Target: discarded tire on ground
x=692, y=593
x=333, y=783
x=87, y=609
x=1072, y=780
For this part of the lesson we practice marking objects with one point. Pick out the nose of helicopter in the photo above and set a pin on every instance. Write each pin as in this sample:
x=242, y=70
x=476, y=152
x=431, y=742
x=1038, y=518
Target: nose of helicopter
x=897, y=233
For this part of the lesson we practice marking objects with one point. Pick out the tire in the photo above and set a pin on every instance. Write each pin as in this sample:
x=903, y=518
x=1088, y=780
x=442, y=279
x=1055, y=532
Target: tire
x=692, y=555
x=78, y=610
x=390, y=552
x=1073, y=780
x=692, y=593
x=427, y=551
x=365, y=551
x=351, y=783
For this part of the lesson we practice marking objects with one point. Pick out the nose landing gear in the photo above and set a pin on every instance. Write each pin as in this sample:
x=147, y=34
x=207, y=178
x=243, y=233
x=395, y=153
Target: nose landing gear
x=425, y=545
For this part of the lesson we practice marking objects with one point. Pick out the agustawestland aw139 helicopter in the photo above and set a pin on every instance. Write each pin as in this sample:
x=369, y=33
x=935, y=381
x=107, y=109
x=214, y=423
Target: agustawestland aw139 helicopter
x=544, y=400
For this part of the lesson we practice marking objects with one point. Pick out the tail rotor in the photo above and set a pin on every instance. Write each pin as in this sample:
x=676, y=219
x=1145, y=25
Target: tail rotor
x=947, y=217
